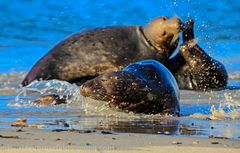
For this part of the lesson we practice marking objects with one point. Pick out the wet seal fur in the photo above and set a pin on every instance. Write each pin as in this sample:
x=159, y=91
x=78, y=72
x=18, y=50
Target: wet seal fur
x=142, y=87
x=90, y=53
x=193, y=68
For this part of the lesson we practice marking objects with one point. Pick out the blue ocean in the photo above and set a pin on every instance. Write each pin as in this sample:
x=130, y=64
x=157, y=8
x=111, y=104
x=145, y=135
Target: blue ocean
x=30, y=28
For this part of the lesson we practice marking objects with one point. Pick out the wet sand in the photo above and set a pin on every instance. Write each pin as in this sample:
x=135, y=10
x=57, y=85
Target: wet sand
x=38, y=140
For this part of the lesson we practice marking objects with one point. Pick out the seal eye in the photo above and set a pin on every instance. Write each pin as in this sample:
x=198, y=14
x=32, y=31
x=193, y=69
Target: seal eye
x=103, y=79
x=164, y=18
x=164, y=33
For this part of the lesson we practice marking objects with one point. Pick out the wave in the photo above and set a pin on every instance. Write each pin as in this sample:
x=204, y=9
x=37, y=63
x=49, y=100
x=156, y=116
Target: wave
x=226, y=109
x=234, y=76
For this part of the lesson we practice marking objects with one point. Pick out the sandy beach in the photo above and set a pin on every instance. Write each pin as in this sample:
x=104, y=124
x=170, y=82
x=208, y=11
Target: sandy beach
x=49, y=141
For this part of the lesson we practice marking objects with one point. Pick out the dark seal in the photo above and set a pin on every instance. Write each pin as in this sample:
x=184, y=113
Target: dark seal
x=90, y=53
x=143, y=87
x=193, y=68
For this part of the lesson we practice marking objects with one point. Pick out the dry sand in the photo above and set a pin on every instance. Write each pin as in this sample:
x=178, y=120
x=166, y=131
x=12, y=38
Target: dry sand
x=35, y=141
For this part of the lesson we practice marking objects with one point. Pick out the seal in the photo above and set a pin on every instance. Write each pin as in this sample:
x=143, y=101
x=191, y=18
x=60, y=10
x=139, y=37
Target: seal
x=142, y=87
x=90, y=53
x=193, y=68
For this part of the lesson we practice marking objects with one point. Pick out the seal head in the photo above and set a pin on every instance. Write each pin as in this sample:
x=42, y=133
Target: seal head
x=163, y=33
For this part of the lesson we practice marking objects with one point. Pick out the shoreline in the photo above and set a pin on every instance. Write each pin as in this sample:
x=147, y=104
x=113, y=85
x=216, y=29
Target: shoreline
x=36, y=140
x=169, y=149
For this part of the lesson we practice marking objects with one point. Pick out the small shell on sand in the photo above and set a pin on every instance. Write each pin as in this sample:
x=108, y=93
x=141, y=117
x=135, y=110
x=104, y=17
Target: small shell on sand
x=195, y=142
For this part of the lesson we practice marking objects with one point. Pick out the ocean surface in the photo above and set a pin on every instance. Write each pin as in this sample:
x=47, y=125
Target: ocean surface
x=30, y=28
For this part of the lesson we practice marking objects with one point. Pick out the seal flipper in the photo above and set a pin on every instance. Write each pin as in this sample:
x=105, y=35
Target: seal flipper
x=178, y=61
x=198, y=71
x=188, y=33
x=201, y=71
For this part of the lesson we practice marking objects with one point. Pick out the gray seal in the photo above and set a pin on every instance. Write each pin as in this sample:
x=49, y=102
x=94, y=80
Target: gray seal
x=142, y=87
x=90, y=53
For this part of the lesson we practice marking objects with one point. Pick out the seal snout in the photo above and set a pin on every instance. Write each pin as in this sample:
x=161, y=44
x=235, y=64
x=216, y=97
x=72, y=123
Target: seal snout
x=175, y=25
x=24, y=83
x=28, y=79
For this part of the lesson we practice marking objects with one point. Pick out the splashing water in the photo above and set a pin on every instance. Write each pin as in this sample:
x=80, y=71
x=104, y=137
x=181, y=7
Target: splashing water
x=221, y=107
x=71, y=92
x=228, y=109
x=41, y=88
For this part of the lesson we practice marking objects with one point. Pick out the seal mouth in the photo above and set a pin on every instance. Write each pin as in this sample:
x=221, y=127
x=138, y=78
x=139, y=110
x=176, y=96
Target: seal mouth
x=175, y=24
x=28, y=79
x=175, y=38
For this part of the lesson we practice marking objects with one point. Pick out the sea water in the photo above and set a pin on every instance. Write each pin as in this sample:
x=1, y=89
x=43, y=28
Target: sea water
x=29, y=28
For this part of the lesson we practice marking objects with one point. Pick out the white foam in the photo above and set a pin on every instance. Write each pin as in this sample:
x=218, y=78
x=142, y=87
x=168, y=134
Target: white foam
x=226, y=109
x=28, y=94
x=40, y=88
x=234, y=76
x=229, y=108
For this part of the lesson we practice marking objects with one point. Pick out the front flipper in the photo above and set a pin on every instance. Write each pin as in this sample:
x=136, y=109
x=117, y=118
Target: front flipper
x=197, y=70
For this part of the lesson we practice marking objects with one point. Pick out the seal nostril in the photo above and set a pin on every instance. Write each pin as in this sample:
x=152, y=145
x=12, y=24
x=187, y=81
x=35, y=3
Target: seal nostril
x=24, y=83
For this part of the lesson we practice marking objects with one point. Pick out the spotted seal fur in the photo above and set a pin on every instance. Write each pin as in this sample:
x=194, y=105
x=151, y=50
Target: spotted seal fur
x=193, y=68
x=142, y=87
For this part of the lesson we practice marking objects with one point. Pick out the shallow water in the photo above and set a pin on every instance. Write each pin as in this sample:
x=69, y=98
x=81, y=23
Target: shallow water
x=29, y=28
x=197, y=115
